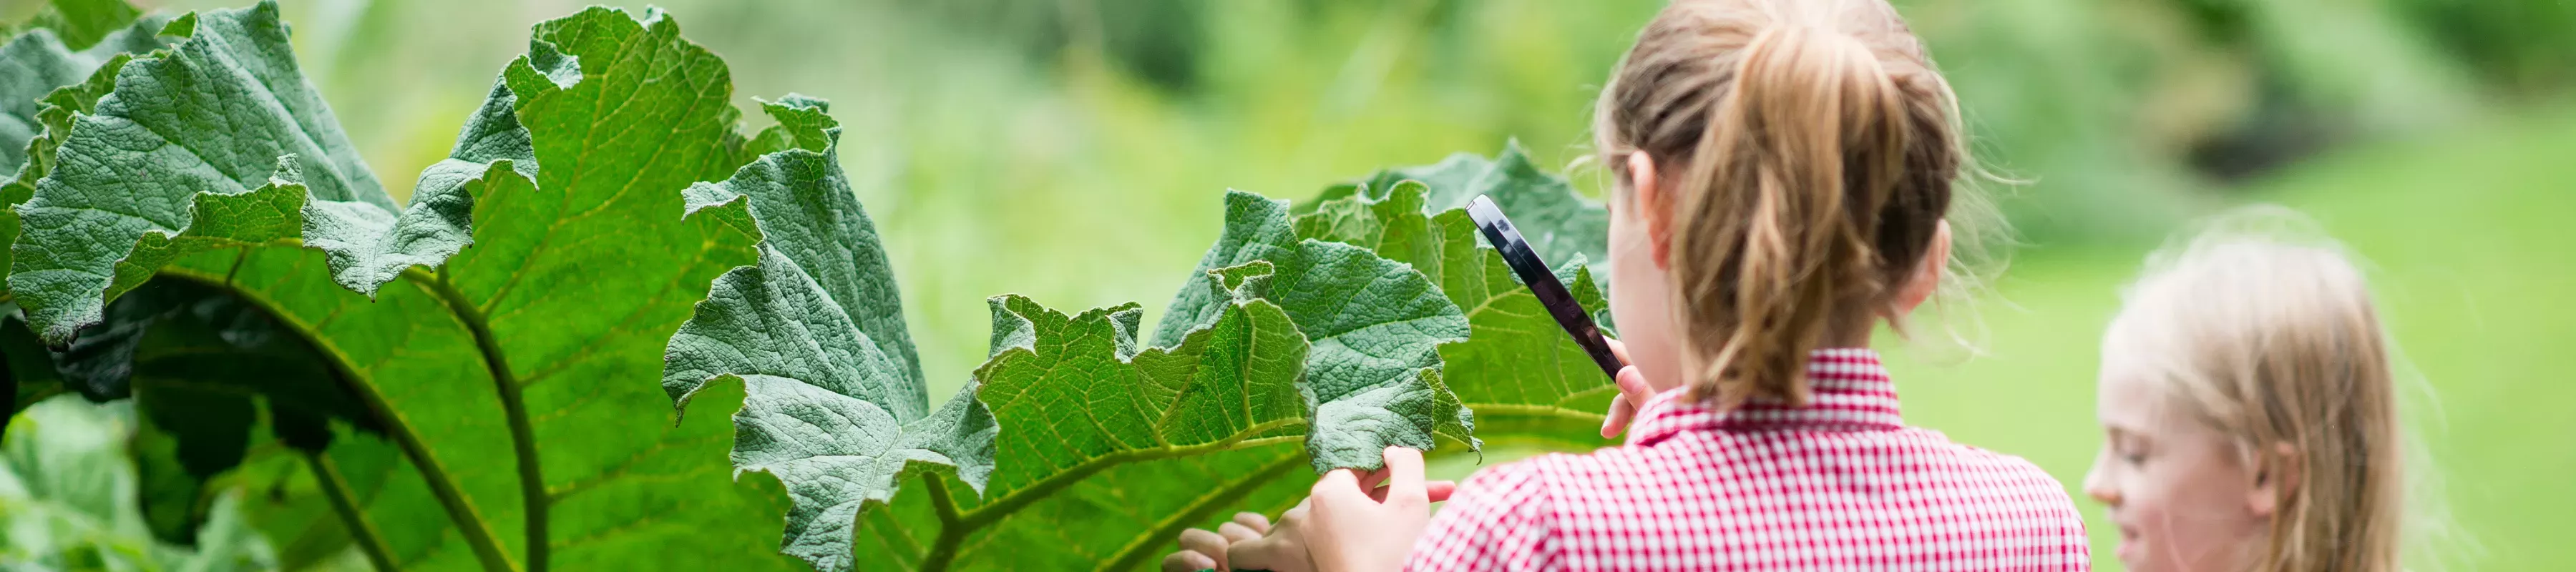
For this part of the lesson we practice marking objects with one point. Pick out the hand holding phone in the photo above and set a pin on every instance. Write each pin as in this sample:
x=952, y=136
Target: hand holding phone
x=1633, y=389
x=1543, y=283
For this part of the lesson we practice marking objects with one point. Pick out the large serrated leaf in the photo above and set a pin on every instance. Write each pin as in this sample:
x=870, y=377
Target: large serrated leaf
x=1110, y=447
x=835, y=406
x=1524, y=378
x=216, y=142
x=38, y=60
x=501, y=325
x=1560, y=223
x=519, y=302
x=1088, y=422
x=1375, y=324
x=43, y=82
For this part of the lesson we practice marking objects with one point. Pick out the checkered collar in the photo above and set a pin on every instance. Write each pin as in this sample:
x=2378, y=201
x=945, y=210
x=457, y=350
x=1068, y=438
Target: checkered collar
x=1847, y=391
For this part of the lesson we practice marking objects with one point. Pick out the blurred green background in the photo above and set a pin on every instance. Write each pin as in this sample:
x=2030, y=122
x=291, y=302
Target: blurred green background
x=1077, y=150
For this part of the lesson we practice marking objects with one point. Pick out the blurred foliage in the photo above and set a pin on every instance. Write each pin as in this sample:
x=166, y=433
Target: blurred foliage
x=2463, y=236
x=2521, y=46
x=993, y=130
x=68, y=500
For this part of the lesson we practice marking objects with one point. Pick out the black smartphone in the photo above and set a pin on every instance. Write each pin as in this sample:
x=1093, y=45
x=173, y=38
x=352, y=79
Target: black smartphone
x=1542, y=282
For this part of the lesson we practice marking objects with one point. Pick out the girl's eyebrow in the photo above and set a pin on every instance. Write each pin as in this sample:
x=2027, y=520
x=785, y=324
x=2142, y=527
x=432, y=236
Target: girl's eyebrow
x=2118, y=432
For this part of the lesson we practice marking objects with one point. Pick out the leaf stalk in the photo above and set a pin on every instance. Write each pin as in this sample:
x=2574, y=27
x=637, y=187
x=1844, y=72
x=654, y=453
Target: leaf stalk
x=334, y=486
x=523, y=439
x=957, y=525
x=469, y=524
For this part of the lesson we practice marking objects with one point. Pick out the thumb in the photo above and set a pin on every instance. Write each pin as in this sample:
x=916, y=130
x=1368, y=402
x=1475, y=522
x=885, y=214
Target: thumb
x=1336, y=485
x=1621, y=413
x=1404, y=475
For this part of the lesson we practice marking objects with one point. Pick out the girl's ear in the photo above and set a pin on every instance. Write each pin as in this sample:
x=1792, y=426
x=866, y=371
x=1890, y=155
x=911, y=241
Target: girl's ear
x=1927, y=274
x=2274, y=480
x=1648, y=200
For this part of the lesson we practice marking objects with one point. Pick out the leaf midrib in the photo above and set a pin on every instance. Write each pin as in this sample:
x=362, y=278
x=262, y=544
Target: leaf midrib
x=532, y=480
x=1142, y=547
x=957, y=525
x=469, y=522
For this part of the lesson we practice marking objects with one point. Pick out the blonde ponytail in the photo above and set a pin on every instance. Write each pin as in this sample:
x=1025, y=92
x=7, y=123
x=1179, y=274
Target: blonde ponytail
x=1816, y=151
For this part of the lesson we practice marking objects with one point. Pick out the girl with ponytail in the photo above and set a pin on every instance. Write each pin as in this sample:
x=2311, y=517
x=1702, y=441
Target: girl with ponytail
x=1783, y=172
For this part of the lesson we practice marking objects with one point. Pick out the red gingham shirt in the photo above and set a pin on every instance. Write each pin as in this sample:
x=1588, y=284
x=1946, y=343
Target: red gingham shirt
x=1841, y=484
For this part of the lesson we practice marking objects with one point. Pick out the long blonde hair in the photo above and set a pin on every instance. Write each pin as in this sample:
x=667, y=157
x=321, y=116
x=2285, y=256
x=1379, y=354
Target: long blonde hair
x=1810, y=150
x=2271, y=339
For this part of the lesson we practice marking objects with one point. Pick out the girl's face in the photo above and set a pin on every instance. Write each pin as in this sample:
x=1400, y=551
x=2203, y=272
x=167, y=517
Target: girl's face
x=1640, y=294
x=2178, y=489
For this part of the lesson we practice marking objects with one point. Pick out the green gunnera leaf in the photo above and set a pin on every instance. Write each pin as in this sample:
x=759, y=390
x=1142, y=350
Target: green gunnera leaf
x=500, y=330
x=1376, y=324
x=47, y=73
x=1523, y=377
x=504, y=326
x=1560, y=223
x=814, y=331
x=1310, y=353
x=82, y=23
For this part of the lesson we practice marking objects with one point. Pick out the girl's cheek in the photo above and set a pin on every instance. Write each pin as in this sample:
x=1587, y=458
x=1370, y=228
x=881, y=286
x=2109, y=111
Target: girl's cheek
x=1641, y=303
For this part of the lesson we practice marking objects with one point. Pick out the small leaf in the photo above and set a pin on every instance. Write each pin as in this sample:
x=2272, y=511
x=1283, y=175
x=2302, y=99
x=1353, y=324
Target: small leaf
x=84, y=22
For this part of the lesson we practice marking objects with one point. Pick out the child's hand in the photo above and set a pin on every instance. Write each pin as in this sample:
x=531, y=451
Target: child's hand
x=1250, y=542
x=1355, y=525
x=1633, y=392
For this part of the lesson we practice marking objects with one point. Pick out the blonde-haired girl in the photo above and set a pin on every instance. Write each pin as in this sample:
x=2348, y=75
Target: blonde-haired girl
x=1783, y=168
x=2248, y=407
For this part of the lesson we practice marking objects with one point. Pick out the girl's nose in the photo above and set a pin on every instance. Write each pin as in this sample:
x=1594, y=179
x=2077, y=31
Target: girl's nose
x=2097, y=483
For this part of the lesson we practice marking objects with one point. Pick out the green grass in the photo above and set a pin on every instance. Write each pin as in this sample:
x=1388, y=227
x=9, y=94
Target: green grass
x=2472, y=251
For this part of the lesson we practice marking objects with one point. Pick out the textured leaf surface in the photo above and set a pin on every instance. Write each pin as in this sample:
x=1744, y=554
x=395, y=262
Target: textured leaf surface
x=1375, y=324
x=38, y=60
x=500, y=325
x=528, y=290
x=1108, y=447
x=1089, y=428
x=1559, y=223
x=216, y=143
x=43, y=83
x=835, y=406
x=1524, y=378
x=1084, y=420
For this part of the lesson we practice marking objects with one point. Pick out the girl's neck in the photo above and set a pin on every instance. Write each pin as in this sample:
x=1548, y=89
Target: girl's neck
x=1850, y=333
